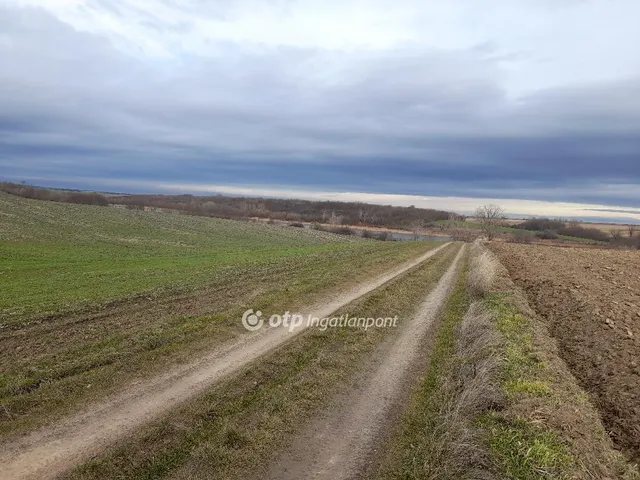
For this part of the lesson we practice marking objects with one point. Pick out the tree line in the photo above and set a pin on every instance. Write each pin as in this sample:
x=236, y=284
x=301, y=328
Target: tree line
x=290, y=210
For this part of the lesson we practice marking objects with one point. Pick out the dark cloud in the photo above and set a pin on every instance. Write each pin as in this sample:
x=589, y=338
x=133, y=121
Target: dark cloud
x=410, y=120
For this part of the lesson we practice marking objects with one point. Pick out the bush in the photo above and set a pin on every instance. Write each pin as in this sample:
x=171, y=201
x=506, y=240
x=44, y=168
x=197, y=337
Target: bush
x=482, y=270
x=541, y=224
x=341, y=231
x=547, y=235
x=286, y=210
x=297, y=225
x=87, y=199
x=520, y=237
x=582, y=232
x=39, y=193
x=632, y=242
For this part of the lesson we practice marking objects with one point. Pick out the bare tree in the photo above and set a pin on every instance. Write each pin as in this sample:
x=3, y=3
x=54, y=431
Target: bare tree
x=335, y=219
x=416, y=227
x=365, y=217
x=632, y=229
x=616, y=234
x=490, y=218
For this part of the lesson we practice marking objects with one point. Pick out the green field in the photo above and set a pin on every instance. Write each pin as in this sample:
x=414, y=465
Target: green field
x=93, y=297
x=59, y=256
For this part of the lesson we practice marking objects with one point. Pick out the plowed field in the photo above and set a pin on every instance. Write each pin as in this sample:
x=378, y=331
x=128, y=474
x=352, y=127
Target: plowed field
x=591, y=301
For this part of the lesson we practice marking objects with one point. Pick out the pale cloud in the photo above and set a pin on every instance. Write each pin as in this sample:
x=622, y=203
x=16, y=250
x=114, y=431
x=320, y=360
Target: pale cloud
x=541, y=44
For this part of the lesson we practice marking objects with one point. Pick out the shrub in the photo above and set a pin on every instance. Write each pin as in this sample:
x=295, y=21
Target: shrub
x=520, y=237
x=87, y=199
x=482, y=270
x=297, y=225
x=628, y=242
x=341, y=231
x=39, y=193
x=541, y=224
x=582, y=232
x=547, y=235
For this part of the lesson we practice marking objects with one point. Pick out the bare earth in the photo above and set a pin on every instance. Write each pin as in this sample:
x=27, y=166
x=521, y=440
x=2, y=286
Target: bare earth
x=52, y=451
x=590, y=299
x=339, y=444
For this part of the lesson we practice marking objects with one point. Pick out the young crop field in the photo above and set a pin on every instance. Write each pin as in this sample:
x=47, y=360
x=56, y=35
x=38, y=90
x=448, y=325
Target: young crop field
x=590, y=299
x=93, y=297
x=59, y=256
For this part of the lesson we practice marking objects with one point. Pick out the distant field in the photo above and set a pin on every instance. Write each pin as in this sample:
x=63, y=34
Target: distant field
x=95, y=296
x=607, y=227
x=472, y=224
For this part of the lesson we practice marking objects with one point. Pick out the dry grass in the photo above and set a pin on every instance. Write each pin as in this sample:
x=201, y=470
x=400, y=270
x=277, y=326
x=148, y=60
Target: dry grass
x=480, y=367
x=470, y=389
x=482, y=271
x=438, y=439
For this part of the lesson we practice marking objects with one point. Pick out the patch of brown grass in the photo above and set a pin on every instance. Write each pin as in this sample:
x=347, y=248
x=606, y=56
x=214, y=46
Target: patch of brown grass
x=482, y=271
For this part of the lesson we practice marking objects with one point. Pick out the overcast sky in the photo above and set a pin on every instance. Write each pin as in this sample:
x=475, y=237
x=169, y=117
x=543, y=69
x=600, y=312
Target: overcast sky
x=524, y=102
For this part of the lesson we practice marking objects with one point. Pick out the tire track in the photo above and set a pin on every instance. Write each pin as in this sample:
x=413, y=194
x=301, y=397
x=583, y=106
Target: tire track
x=338, y=445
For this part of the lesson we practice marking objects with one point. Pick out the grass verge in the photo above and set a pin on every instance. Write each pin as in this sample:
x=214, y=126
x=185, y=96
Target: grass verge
x=522, y=448
x=234, y=429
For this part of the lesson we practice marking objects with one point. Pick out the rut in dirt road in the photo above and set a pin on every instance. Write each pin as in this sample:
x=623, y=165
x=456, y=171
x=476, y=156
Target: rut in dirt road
x=338, y=445
x=50, y=452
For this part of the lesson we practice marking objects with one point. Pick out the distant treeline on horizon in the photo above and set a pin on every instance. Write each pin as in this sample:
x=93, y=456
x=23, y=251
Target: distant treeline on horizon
x=332, y=212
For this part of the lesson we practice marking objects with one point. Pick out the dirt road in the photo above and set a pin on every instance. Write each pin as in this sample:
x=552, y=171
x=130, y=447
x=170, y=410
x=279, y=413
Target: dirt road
x=338, y=445
x=50, y=452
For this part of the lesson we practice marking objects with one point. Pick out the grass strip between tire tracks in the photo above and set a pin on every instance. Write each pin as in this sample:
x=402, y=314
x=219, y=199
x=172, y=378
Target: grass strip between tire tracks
x=237, y=427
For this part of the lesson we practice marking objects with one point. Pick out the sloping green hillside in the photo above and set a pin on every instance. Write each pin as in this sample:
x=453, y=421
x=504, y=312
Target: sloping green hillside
x=58, y=256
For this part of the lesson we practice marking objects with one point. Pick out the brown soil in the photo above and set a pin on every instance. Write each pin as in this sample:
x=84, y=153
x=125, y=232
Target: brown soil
x=591, y=302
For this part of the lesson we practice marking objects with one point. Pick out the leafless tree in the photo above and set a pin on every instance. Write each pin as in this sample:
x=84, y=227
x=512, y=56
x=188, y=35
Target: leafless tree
x=490, y=218
x=632, y=229
x=416, y=227
x=365, y=217
x=616, y=234
x=335, y=219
